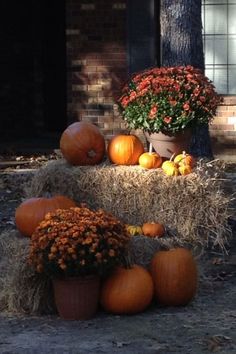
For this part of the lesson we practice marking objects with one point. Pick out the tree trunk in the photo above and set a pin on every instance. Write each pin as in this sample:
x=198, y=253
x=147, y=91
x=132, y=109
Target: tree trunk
x=181, y=44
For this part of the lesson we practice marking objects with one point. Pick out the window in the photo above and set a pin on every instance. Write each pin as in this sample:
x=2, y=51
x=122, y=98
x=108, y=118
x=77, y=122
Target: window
x=219, y=40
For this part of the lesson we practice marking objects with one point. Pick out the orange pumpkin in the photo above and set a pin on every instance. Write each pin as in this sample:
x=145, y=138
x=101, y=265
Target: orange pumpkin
x=153, y=229
x=175, y=276
x=32, y=211
x=82, y=144
x=184, y=159
x=125, y=149
x=185, y=169
x=150, y=160
x=127, y=291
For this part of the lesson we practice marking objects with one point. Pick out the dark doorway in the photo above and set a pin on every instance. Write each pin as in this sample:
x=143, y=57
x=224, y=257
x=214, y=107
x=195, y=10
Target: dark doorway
x=32, y=69
x=143, y=34
x=54, y=63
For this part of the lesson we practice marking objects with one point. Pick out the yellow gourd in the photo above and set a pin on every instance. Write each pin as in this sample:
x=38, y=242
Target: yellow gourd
x=184, y=159
x=185, y=169
x=170, y=168
x=134, y=230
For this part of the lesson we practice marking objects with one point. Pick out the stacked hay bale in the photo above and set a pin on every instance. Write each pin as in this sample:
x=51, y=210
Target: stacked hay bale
x=195, y=210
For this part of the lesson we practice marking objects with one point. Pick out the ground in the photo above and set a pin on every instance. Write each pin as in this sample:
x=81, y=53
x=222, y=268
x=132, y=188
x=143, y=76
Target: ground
x=208, y=324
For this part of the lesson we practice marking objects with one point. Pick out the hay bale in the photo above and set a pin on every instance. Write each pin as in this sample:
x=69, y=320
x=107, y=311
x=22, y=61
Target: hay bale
x=195, y=206
x=22, y=290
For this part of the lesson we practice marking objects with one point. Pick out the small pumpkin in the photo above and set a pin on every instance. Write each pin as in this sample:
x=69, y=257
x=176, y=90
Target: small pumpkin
x=153, y=229
x=32, y=211
x=150, y=160
x=170, y=168
x=125, y=149
x=127, y=290
x=175, y=276
x=134, y=230
x=185, y=169
x=82, y=144
x=184, y=159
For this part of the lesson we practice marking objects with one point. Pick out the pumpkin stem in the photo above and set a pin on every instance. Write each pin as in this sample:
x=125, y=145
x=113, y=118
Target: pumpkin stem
x=91, y=153
x=150, y=148
x=172, y=156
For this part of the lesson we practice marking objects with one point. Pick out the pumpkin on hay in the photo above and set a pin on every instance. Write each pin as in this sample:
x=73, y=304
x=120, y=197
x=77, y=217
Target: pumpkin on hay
x=152, y=229
x=184, y=169
x=32, y=211
x=170, y=168
x=184, y=159
x=125, y=149
x=175, y=276
x=127, y=290
x=82, y=144
x=134, y=229
x=150, y=160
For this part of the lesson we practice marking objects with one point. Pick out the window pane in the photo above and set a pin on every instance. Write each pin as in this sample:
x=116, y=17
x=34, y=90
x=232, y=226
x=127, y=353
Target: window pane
x=232, y=80
x=209, y=50
x=232, y=49
x=232, y=19
x=219, y=77
x=214, y=2
x=216, y=50
x=220, y=50
x=216, y=19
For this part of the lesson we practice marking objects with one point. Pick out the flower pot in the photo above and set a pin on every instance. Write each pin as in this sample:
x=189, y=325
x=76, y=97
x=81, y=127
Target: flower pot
x=168, y=144
x=77, y=298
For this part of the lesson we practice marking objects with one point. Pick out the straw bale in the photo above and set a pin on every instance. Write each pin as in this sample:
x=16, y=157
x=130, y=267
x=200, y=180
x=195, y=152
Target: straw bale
x=195, y=206
x=22, y=290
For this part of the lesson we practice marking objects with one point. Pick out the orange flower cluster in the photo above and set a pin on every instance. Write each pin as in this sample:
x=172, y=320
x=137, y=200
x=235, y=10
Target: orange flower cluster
x=168, y=99
x=78, y=241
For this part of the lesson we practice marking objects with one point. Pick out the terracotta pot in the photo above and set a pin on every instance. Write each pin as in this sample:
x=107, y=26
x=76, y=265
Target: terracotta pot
x=165, y=145
x=77, y=298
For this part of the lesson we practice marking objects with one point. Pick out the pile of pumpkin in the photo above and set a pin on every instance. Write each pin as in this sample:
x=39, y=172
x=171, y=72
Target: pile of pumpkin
x=171, y=278
x=83, y=144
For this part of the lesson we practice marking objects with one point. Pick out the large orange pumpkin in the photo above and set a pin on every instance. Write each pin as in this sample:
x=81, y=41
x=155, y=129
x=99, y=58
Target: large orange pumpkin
x=150, y=160
x=152, y=229
x=174, y=273
x=125, y=149
x=82, y=144
x=127, y=291
x=32, y=211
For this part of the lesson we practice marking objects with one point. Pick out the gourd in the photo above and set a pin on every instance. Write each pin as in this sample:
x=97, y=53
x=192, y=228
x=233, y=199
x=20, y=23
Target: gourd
x=175, y=276
x=184, y=169
x=82, y=144
x=150, y=159
x=32, y=211
x=125, y=149
x=170, y=168
x=134, y=230
x=153, y=229
x=184, y=159
x=127, y=290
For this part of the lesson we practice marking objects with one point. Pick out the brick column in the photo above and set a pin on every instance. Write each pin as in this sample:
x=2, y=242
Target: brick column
x=96, y=61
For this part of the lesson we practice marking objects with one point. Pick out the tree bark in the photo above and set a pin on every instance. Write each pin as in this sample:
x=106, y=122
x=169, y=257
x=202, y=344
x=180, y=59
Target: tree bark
x=181, y=44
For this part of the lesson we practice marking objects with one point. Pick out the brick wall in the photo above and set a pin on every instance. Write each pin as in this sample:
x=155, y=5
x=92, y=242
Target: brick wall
x=97, y=66
x=223, y=128
x=96, y=61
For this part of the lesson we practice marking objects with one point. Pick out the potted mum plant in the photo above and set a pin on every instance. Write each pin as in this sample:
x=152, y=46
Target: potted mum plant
x=75, y=247
x=168, y=102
